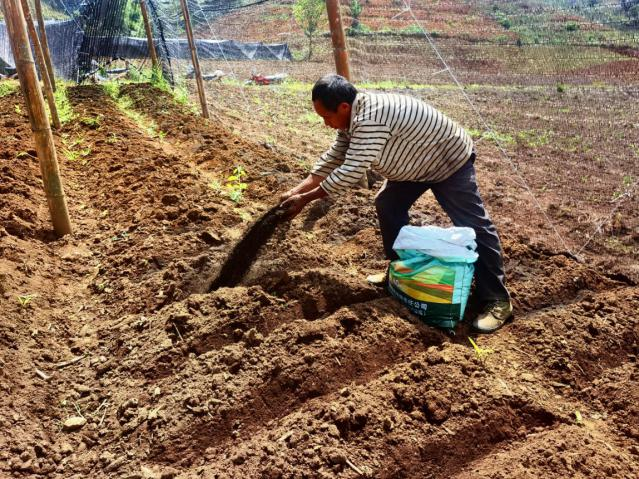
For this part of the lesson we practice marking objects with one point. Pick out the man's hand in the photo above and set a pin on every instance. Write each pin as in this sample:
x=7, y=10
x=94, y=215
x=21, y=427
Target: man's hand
x=285, y=196
x=310, y=183
x=294, y=200
x=294, y=204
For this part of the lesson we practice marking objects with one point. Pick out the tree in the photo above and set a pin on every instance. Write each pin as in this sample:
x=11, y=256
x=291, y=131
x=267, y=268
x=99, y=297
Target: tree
x=308, y=14
x=356, y=10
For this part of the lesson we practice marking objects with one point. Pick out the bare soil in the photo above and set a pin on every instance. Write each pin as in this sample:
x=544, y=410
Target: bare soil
x=301, y=370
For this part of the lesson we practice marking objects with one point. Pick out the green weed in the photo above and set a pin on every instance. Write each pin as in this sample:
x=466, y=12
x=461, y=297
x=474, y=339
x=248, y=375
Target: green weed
x=74, y=151
x=18, y=109
x=480, y=353
x=7, y=87
x=25, y=300
x=533, y=138
x=626, y=184
x=125, y=104
x=62, y=103
x=112, y=88
x=23, y=154
x=92, y=122
x=310, y=118
x=502, y=139
x=235, y=185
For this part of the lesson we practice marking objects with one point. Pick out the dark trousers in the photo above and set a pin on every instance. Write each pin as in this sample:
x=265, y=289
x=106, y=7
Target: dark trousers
x=459, y=197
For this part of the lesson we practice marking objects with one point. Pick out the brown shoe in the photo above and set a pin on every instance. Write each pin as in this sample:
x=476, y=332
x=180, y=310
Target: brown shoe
x=494, y=316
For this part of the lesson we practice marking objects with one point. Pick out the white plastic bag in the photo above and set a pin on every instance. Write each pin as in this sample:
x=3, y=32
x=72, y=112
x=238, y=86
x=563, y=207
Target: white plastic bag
x=455, y=244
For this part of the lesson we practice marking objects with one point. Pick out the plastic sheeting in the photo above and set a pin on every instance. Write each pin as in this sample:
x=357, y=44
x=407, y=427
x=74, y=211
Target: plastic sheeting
x=65, y=40
x=64, y=43
x=133, y=47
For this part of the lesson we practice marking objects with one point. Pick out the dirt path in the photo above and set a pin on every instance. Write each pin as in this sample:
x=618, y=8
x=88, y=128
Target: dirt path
x=300, y=371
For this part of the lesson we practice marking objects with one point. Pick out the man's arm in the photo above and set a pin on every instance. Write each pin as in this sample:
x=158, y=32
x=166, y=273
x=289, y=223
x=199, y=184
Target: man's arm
x=311, y=182
x=309, y=190
x=367, y=141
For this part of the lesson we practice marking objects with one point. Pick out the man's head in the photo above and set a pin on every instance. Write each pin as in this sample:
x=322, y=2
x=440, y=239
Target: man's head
x=333, y=98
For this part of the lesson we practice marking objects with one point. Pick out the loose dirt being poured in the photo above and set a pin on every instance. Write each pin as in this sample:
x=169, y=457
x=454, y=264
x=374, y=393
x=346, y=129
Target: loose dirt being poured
x=247, y=248
x=116, y=369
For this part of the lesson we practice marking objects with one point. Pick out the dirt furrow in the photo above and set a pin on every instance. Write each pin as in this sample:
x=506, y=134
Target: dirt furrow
x=419, y=418
x=256, y=381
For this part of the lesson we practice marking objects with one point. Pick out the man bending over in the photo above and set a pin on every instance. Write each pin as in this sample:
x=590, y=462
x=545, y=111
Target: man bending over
x=416, y=148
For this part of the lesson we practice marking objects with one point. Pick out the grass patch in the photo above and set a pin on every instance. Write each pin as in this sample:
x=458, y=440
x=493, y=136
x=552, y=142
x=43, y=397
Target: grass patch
x=62, y=103
x=533, y=138
x=310, y=118
x=125, y=104
x=153, y=76
x=502, y=139
x=7, y=87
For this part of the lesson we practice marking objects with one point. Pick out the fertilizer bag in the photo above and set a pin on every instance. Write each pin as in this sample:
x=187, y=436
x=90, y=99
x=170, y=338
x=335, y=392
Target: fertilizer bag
x=433, y=274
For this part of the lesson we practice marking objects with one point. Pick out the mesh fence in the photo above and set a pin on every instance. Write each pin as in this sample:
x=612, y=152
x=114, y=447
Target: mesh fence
x=496, y=42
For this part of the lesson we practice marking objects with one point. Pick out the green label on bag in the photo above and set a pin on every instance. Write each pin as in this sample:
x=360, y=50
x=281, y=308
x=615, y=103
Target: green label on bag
x=436, y=314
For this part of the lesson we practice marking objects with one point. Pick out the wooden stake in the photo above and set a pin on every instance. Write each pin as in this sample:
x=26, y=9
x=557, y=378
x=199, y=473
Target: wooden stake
x=196, y=62
x=149, y=35
x=42, y=66
x=44, y=42
x=337, y=36
x=17, y=31
x=339, y=51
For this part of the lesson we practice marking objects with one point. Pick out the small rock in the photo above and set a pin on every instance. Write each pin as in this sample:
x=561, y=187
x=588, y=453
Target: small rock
x=333, y=431
x=149, y=473
x=252, y=337
x=82, y=389
x=335, y=456
x=65, y=448
x=115, y=464
x=73, y=423
x=388, y=424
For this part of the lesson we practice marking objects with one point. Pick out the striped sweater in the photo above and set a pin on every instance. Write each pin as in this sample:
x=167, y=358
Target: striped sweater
x=400, y=137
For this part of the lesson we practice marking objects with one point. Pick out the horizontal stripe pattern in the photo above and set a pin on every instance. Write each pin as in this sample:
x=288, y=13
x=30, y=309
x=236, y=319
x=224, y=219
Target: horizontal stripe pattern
x=400, y=137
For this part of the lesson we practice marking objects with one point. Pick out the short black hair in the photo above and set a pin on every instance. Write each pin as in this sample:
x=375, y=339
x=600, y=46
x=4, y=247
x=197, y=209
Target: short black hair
x=332, y=90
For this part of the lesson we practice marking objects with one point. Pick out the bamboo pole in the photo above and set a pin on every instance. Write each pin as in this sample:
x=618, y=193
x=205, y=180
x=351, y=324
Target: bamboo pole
x=339, y=50
x=196, y=62
x=42, y=66
x=149, y=35
x=44, y=42
x=337, y=36
x=17, y=31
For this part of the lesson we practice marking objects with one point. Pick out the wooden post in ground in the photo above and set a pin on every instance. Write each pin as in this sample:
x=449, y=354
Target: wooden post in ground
x=17, y=31
x=44, y=42
x=337, y=36
x=42, y=66
x=149, y=35
x=196, y=62
x=339, y=50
